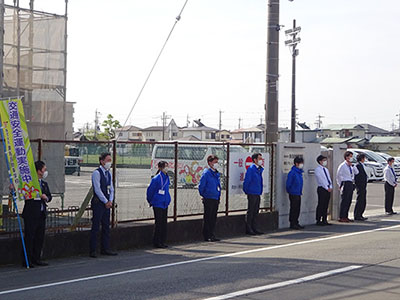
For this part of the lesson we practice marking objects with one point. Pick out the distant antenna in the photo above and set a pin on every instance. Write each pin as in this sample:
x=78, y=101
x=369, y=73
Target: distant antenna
x=318, y=123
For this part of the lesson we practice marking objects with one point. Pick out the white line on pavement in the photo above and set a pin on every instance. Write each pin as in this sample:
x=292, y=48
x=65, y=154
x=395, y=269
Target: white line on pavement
x=390, y=220
x=34, y=287
x=284, y=283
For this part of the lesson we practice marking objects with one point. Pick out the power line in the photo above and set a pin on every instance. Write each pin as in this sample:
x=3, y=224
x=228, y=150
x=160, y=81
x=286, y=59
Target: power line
x=177, y=19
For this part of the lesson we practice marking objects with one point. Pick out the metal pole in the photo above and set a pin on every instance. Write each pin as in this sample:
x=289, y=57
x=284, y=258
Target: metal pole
x=176, y=182
x=272, y=175
x=271, y=101
x=1, y=46
x=227, y=179
x=293, y=120
x=40, y=149
x=114, y=154
x=18, y=51
x=65, y=62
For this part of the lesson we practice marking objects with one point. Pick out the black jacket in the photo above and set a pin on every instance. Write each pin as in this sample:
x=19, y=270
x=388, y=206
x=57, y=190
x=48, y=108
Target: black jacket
x=361, y=179
x=32, y=207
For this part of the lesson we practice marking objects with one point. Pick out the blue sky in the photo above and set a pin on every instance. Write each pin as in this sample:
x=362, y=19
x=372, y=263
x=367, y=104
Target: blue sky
x=348, y=66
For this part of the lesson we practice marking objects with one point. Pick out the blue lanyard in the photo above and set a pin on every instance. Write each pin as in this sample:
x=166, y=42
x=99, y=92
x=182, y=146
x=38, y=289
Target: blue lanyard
x=394, y=174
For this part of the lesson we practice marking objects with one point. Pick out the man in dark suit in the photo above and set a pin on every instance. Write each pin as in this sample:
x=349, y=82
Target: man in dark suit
x=361, y=180
x=34, y=215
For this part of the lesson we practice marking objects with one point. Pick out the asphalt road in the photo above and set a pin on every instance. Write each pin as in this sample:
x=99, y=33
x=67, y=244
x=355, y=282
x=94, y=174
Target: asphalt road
x=344, y=261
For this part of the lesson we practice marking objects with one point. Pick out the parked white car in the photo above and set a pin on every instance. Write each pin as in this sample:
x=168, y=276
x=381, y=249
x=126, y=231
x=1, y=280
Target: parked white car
x=396, y=163
x=373, y=168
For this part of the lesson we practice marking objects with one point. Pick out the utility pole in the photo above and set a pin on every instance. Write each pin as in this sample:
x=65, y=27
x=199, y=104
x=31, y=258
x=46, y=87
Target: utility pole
x=240, y=120
x=187, y=121
x=319, y=121
x=398, y=115
x=96, y=123
x=220, y=124
x=292, y=42
x=271, y=99
x=164, y=119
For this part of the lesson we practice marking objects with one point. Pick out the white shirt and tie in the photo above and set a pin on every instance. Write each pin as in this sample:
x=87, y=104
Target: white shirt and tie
x=389, y=175
x=323, y=178
x=345, y=173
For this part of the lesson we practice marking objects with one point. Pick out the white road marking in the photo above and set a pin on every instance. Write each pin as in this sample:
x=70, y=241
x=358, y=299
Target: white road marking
x=390, y=220
x=284, y=283
x=34, y=287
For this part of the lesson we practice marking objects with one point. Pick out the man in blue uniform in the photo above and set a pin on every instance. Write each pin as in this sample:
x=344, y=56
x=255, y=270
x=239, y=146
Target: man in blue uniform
x=103, y=196
x=253, y=188
x=294, y=187
x=210, y=191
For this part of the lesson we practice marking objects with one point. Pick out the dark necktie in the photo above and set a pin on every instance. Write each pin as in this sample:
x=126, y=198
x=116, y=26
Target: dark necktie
x=394, y=174
x=108, y=175
x=327, y=178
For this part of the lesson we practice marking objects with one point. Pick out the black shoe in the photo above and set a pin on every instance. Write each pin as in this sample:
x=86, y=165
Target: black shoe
x=207, y=240
x=92, y=255
x=160, y=246
x=295, y=227
x=109, y=253
x=214, y=239
x=40, y=263
x=360, y=219
x=326, y=223
x=391, y=213
x=250, y=232
x=258, y=232
x=319, y=223
x=300, y=227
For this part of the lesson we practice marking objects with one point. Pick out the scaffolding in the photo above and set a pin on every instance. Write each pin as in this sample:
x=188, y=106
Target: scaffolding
x=34, y=64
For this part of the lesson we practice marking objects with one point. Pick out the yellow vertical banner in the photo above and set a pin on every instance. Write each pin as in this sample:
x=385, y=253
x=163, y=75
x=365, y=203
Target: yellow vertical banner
x=18, y=150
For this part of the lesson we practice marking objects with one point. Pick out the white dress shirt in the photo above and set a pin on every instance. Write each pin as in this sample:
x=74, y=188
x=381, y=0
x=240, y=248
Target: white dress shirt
x=389, y=175
x=345, y=173
x=323, y=178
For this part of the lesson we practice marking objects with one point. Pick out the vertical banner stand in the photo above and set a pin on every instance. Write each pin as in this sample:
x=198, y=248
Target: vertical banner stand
x=14, y=197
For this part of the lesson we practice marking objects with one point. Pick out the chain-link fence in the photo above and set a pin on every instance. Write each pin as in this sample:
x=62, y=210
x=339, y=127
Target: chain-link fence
x=135, y=165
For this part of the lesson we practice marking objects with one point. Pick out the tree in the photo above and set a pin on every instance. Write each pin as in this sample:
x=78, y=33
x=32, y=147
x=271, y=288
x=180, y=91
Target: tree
x=110, y=125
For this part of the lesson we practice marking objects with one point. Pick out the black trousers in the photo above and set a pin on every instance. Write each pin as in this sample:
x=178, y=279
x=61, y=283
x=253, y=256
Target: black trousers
x=361, y=202
x=160, y=227
x=35, y=225
x=389, y=197
x=347, y=197
x=253, y=208
x=323, y=203
x=210, y=217
x=101, y=215
x=294, y=213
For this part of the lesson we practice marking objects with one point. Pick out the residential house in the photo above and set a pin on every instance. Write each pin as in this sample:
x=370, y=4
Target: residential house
x=352, y=130
x=129, y=133
x=223, y=136
x=200, y=131
x=387, y=144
